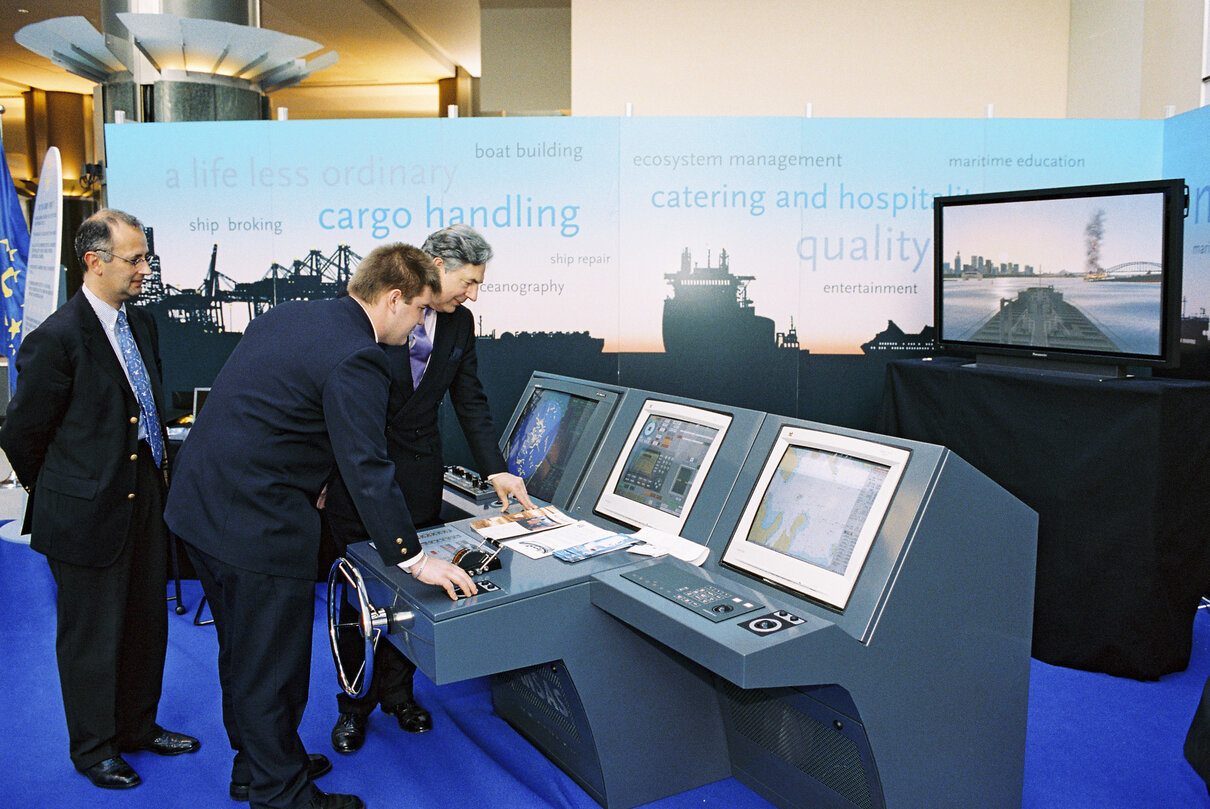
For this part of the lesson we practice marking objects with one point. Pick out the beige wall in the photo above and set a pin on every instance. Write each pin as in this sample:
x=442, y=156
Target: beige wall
x=886, y=58
x=1173, y=47
x=525, y=56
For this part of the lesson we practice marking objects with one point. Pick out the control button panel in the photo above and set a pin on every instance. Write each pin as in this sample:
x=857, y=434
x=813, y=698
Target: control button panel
x=775, y=621
x=482, y=585
x=469, y=483
x=692, y=591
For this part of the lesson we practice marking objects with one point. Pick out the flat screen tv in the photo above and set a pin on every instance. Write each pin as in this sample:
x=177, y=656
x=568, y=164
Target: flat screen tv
x=1087, y=278
x=814, y=513
x=554, y=432
x=662, y=465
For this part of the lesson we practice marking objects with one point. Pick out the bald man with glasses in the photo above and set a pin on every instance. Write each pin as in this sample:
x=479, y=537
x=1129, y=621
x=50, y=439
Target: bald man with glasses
x=83, y=433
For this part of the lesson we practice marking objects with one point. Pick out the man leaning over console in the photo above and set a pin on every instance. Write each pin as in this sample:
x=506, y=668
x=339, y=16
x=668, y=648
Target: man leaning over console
x=304, y=390
x=440, y=358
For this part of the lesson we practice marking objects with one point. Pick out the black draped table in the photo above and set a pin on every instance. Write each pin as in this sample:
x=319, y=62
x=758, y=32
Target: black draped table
x=1119, y=473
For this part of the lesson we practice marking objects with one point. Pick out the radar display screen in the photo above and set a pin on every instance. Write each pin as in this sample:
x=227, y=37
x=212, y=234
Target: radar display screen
x=545, y=438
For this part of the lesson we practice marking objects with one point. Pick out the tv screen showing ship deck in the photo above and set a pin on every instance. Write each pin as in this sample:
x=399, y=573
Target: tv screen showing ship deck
x=1082, y=273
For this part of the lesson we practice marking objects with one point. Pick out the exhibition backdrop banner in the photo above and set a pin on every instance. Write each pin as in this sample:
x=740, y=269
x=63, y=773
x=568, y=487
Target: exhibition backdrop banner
x=673, y=254
x=1185, y=155
x=45, y=244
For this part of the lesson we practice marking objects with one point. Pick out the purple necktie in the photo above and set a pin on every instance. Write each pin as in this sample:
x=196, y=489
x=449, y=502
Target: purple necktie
x=421, y=347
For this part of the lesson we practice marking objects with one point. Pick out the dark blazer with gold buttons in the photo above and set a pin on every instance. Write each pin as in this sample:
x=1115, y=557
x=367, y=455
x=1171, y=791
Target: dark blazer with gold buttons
x=303, y=393
x=71, y=432
x=413, y=427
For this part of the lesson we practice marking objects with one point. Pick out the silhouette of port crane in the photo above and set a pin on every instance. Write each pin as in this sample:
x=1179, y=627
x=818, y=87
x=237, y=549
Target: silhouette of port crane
x=314, y=277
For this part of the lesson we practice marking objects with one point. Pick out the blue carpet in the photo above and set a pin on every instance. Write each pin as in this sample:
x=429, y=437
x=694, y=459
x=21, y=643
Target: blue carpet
x=1093, y=741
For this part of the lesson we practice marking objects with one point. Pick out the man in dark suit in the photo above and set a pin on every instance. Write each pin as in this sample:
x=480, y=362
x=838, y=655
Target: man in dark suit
x=83, y=433
x=440, y=358
x=304, y=391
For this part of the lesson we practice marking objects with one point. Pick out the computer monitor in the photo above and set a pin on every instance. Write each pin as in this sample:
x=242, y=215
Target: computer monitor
x=662, y=465
x=554, y=432
x=199, y=398
x=814, y=512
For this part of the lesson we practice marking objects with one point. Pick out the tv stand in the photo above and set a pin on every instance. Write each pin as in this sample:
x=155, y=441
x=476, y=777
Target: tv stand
x=1046, y=365
x=1115, y=469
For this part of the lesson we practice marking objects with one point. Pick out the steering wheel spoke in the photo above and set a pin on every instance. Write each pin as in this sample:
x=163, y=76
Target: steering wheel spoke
x=345, y=582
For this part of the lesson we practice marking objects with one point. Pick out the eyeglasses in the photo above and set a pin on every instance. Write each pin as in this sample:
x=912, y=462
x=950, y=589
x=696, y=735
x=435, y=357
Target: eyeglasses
x=133, y=262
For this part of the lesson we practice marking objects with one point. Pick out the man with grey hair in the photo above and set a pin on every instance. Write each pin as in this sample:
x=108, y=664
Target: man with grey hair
x=440, y=358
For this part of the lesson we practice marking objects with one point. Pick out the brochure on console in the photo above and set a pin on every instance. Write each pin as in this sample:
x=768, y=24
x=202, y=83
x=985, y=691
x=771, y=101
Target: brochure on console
x=576, y=535
x=521, y=523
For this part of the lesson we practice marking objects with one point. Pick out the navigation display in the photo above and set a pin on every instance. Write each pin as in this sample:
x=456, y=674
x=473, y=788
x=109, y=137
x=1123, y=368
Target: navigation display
x=545, y=437
x=815, y=511
x=554, y=431
x=661, y=468
x=664, y=462
x=815, y=506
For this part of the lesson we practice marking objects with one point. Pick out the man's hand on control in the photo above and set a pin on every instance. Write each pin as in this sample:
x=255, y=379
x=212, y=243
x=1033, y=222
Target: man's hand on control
x=508, y=485
x=446, y=575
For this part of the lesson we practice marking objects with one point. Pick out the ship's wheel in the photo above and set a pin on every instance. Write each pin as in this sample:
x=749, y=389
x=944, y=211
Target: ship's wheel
x=345, y=582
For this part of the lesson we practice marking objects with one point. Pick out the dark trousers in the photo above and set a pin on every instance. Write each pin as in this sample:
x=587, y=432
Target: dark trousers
x=391, y=680
x=112, y=633
x=264, y=625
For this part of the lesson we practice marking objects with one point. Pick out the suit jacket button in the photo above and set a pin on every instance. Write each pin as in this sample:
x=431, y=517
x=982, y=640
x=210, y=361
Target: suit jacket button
x=134, y=456
x=130, y=496
x=398, y=540
x=134, y=419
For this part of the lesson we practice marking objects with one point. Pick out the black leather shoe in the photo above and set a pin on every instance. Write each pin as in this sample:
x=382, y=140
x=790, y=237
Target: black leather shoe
x=411, y=716
x=168, y=743
x=317, y=765
x=334, y=800
x=349, y=734
x=112, y=773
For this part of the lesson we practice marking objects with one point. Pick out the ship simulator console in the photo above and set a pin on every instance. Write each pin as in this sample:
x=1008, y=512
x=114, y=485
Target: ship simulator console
x=550, y=439
x=861, y=598
x=469, y=484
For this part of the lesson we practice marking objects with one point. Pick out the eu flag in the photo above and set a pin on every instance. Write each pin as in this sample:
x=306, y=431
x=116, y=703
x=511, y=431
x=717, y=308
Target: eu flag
x=14, y=252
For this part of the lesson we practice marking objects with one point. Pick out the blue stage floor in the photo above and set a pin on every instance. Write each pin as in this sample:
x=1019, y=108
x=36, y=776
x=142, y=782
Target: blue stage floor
x=1094, y=741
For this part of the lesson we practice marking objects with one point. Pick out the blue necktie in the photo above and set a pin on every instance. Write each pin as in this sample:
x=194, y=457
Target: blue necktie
x=419, y=350
x=142, y=388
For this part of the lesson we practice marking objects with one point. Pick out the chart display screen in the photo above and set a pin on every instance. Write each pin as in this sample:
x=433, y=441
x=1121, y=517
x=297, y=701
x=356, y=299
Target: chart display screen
x=816, y=505
x=815, y=512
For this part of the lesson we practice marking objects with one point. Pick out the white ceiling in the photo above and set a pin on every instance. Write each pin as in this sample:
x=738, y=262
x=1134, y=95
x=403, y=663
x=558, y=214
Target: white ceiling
x=391, y=53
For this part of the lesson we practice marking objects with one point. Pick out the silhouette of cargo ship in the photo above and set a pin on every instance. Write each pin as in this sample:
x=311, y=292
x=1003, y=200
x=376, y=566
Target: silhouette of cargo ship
x=1194, y=331
x=894, y=340
x=710, y=305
